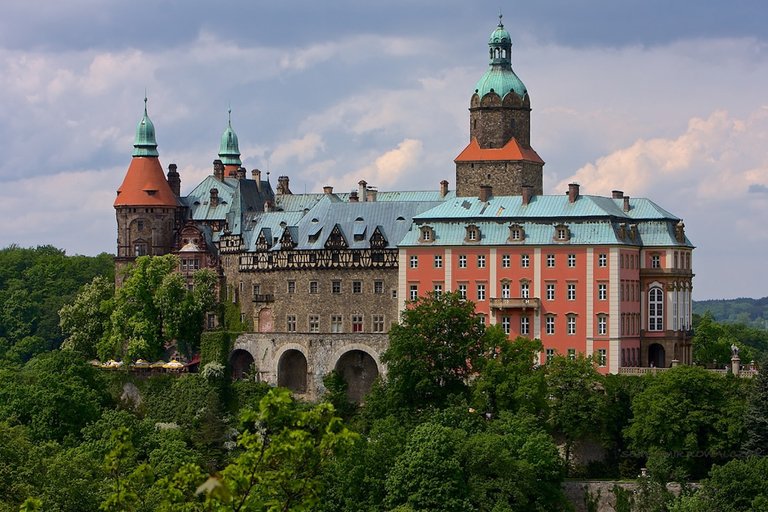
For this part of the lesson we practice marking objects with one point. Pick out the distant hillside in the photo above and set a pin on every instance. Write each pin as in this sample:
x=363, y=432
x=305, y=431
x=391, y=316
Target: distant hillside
x=753, y=312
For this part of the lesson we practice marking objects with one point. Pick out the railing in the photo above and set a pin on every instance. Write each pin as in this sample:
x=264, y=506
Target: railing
x=266, y=297
x=516, y=303
x=638, y=371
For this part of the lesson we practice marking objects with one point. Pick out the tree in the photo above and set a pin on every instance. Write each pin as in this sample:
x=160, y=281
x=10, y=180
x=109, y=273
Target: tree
x=738, y=486
x=431, y=350
x=575, y=398
x=153, y=308
x=86, y=320
x=686, y=418
x=428, y=475
x=756, y=418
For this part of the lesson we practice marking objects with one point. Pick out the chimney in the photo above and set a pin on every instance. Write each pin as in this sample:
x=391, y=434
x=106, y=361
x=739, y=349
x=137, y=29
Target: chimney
x=443, y=188
x=256, y=175
x=241, y=173
x=527, y=194
x=218, y=170
x=362, y=187
x=617, y=194
x=626, y=203
x=353, y=197
x=214, y=202
x=573, y=192
x=370, y=195
x=327, y=190
x=282, y=185
x=174, y=181
x=267, y=206
x=486, y=191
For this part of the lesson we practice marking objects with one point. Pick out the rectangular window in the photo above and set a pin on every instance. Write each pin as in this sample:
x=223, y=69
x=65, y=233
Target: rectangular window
x=571, y=291
x=357, y=323
x=336, y=323
x=480, y=261
x=549, y=324
x=480, y=291
x=571, y=260
x=335, y=286
x=413, y=292
x=438, y=289
x=291, y=323
x=602, y=356
x=506, y=324
x=313, y=287
x=602, y=325
x=378, y=323
x=524, y=290
x=550, y=291
x=357, y=287
x=571, y=323
x=314, y=323
x=378, y=287
x=463, y=291
x=291, y=286
x=414, y=261
x=602, y=291
x=525, y=260
x=550, y=354
x=655, y=261
x=525, y=325
x=572, y=354
x=602, y=260
x=462, y=261
x=550, y=260
x=438, y=261
x=505, y=261
x=505, y=290
x=256, y=290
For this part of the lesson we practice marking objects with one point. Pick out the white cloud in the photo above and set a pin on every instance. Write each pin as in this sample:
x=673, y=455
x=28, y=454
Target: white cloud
x=301, y=150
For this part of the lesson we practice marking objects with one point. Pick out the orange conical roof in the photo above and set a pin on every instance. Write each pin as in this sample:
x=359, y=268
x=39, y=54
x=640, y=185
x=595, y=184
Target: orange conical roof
x=145, y=185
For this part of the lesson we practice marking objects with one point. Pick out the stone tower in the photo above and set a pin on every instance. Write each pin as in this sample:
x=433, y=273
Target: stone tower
x=499, y=153
x=146, y=205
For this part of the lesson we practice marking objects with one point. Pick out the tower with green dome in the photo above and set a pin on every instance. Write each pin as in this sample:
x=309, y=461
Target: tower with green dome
x=499, y=154
x=229, y=149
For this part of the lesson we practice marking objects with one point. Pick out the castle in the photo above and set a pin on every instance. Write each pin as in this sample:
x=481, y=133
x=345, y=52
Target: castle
x=319, y=278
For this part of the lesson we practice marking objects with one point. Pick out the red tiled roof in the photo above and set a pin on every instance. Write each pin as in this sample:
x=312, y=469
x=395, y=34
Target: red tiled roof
x=145, y=185
x=511, y=151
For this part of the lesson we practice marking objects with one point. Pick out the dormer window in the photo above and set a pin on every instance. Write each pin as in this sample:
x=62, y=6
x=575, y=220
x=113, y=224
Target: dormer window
x=516, y=233
x=427, y=234
x=562, y=233
x=472, y=234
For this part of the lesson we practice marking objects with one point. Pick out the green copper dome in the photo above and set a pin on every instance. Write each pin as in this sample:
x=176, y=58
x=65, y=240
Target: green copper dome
x=229, y=149
x=145, y=144
x=500, y=78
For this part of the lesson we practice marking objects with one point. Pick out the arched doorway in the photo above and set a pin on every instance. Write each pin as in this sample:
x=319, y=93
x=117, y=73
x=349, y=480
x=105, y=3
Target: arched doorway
x=292, y=371
x=359, y=370
x=241, y=362
x=656, y=356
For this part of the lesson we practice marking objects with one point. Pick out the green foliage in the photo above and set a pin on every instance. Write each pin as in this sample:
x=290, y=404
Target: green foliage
x=153, y=308
x=86, y=320
x=756, y=418
x=737, y=486
x=685, y=419
x=575, y=400
x=215, y=347
x=751, y=312
x=34, y=285
x=431, y=351
x=231, y=316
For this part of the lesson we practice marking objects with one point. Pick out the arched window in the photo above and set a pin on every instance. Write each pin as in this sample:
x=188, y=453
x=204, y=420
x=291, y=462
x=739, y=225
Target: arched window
x=655, y=309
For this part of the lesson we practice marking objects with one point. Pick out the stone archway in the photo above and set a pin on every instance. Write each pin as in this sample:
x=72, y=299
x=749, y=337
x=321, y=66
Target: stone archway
x=359, y=370
x=657, y=356
x=242, y=364
x=292, y=371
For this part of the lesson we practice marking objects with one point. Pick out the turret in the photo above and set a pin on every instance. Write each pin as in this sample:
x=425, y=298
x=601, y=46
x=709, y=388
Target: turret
x=229, y=149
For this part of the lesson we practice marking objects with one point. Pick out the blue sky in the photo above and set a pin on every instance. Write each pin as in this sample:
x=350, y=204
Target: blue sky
x=660, y=99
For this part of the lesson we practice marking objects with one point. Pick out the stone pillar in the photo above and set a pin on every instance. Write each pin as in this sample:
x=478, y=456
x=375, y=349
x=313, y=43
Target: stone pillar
x=736, y=365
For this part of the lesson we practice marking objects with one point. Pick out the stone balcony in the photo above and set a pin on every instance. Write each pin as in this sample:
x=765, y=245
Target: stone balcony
x=516, y=303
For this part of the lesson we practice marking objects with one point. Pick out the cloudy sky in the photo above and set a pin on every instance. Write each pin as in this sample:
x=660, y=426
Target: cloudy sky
x=661, y=99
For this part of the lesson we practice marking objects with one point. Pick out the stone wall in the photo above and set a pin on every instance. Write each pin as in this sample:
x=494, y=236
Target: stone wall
x=505, y=178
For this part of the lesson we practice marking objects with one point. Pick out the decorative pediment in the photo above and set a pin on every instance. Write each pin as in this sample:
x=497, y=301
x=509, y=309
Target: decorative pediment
x=378, y=241
x=336, y=239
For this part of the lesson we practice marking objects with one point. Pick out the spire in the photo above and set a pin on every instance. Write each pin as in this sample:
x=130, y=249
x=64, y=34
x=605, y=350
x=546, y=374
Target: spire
x=229, y=149
x=499, y=77
x=145, y=144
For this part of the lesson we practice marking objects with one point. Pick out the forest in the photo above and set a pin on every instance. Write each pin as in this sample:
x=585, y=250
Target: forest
x=465, y=420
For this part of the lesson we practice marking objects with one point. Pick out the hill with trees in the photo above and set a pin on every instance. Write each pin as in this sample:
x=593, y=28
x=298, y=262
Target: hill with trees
x=751, y=312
